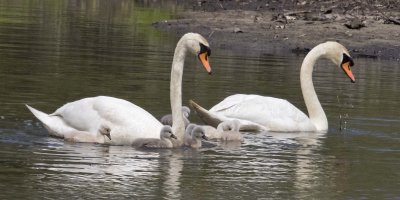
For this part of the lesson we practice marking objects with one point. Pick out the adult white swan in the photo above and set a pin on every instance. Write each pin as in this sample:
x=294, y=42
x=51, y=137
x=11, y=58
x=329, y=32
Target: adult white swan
x=273, y=114
x=85, y=118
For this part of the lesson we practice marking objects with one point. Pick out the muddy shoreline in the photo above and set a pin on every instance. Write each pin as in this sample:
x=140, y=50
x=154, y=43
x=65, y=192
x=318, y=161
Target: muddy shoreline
x=367, y=30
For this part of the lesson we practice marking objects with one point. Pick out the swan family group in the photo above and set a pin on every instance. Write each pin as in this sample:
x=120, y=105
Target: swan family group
x=116, y=121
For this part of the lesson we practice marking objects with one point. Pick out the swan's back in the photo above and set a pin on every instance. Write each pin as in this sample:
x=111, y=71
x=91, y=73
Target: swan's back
x=273, y=113
x=126, y=120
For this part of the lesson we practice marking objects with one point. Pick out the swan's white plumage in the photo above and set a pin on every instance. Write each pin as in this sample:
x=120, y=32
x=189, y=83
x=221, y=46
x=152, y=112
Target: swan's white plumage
x=54, y=124
x=82, y=120
x=272, y=114
x=279, y=115
x=88, y=114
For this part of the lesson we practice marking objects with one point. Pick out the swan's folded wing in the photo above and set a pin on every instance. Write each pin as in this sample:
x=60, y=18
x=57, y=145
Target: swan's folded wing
x=127, y=118
x=232, y=101
x=80, y=115
x=214, y=118
x=121, y=116
x=272, y=113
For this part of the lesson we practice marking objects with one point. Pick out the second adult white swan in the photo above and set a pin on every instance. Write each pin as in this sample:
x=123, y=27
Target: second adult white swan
x=257, y=112
x=126, y=121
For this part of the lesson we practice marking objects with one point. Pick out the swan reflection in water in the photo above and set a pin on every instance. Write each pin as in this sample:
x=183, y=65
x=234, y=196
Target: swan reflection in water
x=306, y=170
x=264, y=157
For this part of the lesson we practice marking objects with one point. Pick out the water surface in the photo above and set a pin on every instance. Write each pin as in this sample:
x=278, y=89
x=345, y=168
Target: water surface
x=53, y=52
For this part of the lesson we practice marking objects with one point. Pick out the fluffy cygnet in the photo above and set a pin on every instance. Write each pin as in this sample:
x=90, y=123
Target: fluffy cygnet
x=167, y=119
x=165, y=141
x=193, y=139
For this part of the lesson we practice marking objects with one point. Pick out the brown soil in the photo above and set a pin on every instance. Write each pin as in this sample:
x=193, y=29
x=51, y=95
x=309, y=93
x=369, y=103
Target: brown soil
x=366, y=28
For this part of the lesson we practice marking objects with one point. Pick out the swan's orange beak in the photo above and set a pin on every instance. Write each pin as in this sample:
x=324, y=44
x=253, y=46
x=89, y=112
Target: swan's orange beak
x=347, y=70
x=204, y=60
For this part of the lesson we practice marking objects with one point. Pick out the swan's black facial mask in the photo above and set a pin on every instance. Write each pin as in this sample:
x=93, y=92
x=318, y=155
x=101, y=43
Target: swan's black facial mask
x=347, y=62
x=203, y=56
x=205, y=49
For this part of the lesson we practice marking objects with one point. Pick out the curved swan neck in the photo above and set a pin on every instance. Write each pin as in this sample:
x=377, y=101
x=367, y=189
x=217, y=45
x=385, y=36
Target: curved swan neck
x=178, y=125
x=314, y=108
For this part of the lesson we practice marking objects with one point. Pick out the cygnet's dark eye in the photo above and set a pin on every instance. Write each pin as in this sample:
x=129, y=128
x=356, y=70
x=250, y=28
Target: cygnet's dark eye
x=205, y=49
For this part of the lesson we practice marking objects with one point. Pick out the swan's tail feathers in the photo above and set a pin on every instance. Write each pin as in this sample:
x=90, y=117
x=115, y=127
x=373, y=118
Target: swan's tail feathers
x=53, y=124
x=213, y=119
x=43, y=117
x=207, y=117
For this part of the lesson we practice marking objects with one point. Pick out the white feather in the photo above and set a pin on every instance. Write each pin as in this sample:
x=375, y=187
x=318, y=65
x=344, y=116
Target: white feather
x=126, y=121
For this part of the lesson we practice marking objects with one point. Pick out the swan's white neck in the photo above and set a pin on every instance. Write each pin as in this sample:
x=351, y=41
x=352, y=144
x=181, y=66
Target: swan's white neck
x=314, y=108
x=178, y=125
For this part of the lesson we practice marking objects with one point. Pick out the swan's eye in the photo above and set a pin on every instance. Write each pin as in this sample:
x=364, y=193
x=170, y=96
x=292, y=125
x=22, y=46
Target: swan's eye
x=347, y=62
x=205, y=49
x=346, y=59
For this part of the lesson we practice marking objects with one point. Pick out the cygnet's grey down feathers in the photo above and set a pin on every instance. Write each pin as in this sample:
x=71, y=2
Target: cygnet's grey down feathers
x=187, y=138
x=229, y=131
x=196, y=135
x=226, y=131
x=165, y=141
x=167, y=119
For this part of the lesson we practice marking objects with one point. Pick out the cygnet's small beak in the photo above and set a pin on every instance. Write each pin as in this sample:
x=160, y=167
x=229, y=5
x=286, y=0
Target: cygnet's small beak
x=173, y=136
x=204, y=137
x=203, y=57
